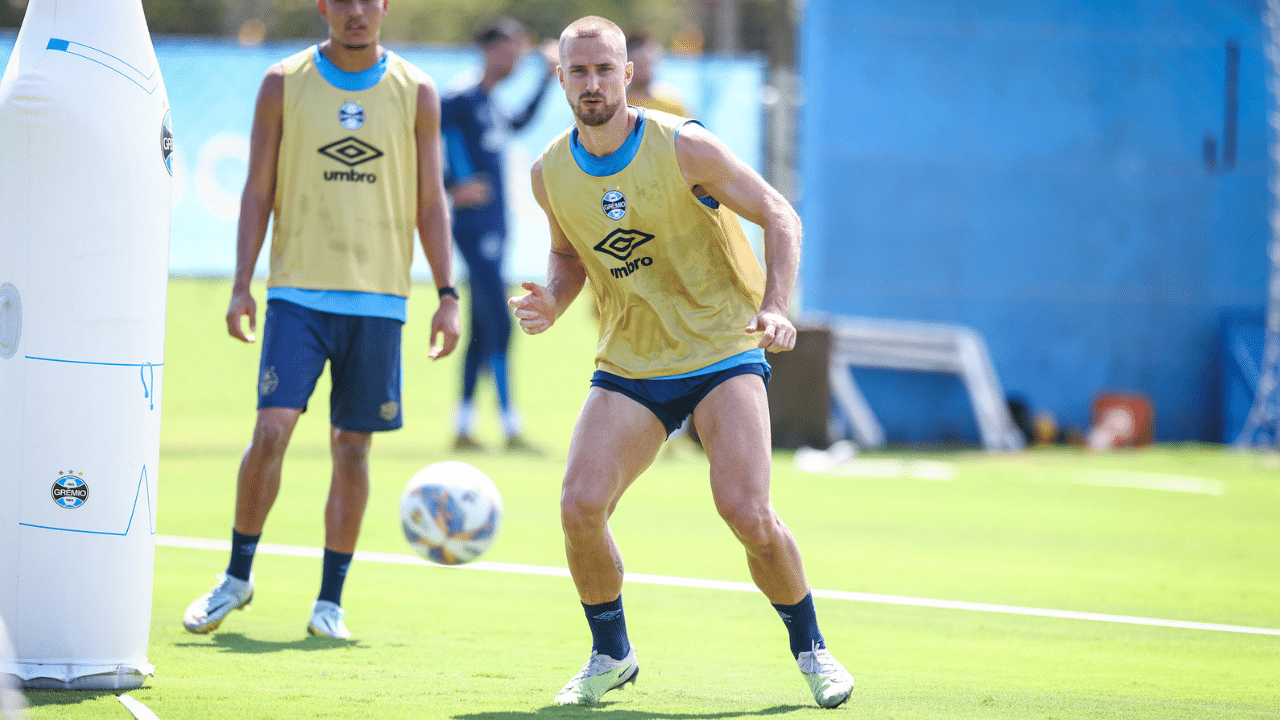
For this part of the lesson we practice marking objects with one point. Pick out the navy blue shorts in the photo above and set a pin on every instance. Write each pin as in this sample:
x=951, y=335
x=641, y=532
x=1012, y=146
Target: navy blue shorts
x=673, y=400
x=364, y=365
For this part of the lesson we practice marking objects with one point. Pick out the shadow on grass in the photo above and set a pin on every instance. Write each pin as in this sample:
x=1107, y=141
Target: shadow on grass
x=237, y=643
x=557, y=711
x=53, y=698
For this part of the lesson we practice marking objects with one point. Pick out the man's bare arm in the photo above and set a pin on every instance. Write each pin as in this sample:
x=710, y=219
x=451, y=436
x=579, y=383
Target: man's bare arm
x=257, y=199
x=539, y=309
x=433, y=218
x=709, y=167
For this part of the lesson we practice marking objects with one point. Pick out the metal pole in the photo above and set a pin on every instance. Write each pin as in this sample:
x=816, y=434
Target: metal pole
x=1260, y=429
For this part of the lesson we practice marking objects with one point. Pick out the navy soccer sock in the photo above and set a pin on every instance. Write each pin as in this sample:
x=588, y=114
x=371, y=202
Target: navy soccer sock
x=802, y=624
x=243, y=548
x=608, y=629
x=334, y=575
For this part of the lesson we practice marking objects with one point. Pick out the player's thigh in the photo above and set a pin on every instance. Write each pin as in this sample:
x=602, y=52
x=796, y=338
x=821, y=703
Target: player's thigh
x=365, y=361
x=614, y=440
x=293, y=355
x=733, y=424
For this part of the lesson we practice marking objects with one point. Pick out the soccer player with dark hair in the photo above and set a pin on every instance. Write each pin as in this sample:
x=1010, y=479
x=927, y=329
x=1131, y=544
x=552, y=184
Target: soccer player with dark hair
x=345, y=154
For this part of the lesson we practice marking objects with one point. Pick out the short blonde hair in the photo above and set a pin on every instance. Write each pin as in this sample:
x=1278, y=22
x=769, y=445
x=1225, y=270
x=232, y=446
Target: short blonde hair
x=594, y=26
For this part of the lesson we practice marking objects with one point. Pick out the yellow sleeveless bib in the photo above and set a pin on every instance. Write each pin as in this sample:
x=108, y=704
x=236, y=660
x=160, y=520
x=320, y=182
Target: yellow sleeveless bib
x=346, y=182
x=675, y=280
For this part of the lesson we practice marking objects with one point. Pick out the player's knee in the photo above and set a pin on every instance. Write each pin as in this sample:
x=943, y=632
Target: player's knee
x=350, y=449
x=271, y=438
x=754, y=526
x=582, y=515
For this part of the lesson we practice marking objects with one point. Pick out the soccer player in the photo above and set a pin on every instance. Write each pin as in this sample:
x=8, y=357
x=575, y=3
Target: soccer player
x=475, y=134
x=345, y=153
x=637, y=203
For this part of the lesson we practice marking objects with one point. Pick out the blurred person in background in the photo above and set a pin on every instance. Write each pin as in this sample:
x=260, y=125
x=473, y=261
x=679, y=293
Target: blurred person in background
x=645, y=55
x=476, y=131
x=341, y=248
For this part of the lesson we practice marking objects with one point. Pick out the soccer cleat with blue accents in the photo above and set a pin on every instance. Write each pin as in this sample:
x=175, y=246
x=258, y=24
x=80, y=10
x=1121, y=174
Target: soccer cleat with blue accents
x=326, y=620
x=600, y=675
x=830, y=682
x=207, y=612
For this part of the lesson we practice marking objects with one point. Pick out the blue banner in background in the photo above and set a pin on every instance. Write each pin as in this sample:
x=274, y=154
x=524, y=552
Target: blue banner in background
x=213, y=83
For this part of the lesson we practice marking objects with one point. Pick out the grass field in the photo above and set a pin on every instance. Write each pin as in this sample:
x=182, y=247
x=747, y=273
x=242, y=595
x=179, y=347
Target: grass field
x=1056, y=530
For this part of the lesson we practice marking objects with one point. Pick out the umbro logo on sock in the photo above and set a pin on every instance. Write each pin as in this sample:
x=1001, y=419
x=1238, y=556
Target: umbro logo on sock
x=607, y=615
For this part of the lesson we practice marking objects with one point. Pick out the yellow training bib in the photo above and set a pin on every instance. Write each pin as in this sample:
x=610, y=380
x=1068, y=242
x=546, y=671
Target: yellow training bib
x=346, y=182
x=675, y=279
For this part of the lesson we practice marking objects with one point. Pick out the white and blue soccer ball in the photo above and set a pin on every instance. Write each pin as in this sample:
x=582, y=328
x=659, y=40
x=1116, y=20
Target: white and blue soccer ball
x=451, y=512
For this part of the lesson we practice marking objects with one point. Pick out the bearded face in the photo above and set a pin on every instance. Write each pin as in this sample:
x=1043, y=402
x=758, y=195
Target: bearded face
x=594, y=110
x=594, y=74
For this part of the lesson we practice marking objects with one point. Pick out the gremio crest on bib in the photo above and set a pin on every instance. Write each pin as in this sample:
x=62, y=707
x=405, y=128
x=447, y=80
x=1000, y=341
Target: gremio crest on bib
x=614, y=204
x=351, y=115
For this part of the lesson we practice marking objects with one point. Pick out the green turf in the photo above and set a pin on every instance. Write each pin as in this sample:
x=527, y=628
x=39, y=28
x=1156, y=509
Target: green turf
x=1017, y=529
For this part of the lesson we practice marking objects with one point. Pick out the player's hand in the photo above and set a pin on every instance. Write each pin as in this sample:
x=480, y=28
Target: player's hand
x=445, y=326
x=536, y=311
x=242, y=304
x=471, y=193
x=778, y=332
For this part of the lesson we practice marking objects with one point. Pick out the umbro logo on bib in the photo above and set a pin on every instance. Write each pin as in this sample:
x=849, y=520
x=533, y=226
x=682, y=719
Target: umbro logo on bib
x=621, y=243
x=350, y=151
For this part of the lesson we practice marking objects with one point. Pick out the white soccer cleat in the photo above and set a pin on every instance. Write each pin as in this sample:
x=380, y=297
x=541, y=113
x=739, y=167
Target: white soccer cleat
x=600, y=675
x=326, y=620
x=830, y=682
x=208, y=611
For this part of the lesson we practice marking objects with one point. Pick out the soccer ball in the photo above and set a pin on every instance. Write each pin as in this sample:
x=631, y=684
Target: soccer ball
x=451, y=512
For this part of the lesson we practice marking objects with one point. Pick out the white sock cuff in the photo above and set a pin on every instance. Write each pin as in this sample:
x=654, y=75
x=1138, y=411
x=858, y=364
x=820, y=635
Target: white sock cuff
x=511, y=424
x=466, y=417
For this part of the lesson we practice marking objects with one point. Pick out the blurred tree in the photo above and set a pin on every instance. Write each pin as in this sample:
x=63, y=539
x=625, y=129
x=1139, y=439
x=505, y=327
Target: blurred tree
x=765, y=27
x=451, y=22
x=769, y=27
x=293, y=18
x=442, y=22
x=11, y=12
x=184, y=17
x=761, y=26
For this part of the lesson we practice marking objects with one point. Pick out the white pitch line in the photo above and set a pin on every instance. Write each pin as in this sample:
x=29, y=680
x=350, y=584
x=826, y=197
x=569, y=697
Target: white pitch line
x=672, y=581
x=1152, y=481
x=137, y=709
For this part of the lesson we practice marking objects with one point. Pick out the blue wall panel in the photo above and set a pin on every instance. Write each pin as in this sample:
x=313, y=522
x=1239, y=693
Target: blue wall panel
x=1052, y=174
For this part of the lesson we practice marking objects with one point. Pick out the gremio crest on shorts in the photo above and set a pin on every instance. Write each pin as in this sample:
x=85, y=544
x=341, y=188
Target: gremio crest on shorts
x=614, y=204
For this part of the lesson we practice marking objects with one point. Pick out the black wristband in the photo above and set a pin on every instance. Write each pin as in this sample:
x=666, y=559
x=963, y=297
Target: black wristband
x=448, y=290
